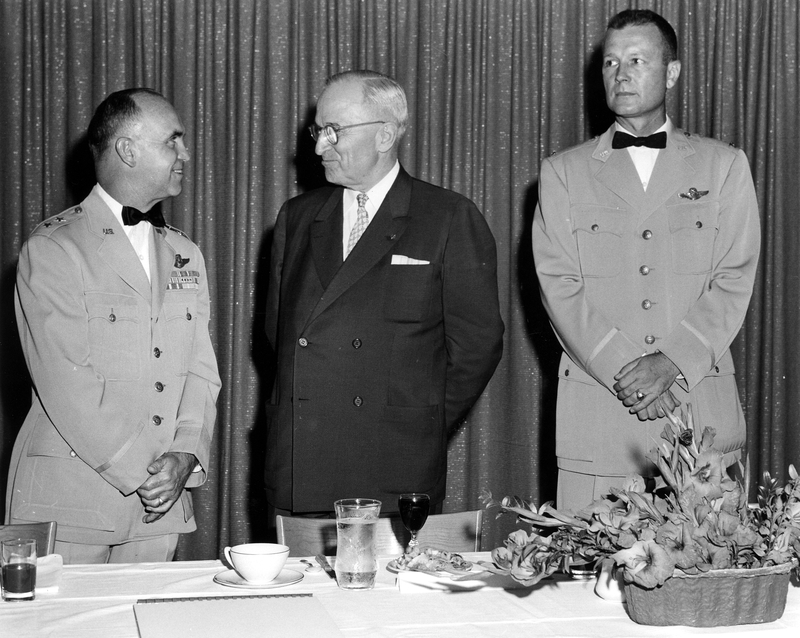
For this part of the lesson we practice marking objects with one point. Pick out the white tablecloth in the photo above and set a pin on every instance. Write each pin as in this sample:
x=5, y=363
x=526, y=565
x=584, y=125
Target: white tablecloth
x=97, y=601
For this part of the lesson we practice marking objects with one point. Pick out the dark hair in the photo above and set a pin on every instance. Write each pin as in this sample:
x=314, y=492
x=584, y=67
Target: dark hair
x=114, y=113
x=642, y=17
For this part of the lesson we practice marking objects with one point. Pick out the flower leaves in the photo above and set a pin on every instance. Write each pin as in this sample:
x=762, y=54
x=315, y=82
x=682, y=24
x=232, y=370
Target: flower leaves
x=696, y=520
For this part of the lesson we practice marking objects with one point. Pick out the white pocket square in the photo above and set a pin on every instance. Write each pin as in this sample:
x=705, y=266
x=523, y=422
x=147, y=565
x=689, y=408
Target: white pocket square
x=403, y=260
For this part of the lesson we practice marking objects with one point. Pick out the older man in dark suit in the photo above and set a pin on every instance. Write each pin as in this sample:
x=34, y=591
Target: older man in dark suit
x=382, y=310
x=113, y=310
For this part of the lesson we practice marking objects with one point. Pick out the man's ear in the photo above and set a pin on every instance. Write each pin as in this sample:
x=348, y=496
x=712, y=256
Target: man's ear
x=124, y=148
x=673, y=73
x=387, y=137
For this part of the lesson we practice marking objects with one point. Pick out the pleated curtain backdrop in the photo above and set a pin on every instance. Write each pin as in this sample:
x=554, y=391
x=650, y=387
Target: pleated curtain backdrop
x=493, y=87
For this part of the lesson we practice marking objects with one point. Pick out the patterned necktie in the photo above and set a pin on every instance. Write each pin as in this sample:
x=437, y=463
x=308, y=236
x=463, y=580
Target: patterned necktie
x=362, y=221
x=132, y=216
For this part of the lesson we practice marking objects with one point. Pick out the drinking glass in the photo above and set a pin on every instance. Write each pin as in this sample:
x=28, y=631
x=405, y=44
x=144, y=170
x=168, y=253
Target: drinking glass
x=414, y=509
x=18, y=574
x=356, y=560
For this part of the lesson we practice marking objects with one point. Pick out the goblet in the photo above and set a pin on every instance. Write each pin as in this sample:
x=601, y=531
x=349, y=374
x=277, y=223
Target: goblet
x=414, y=509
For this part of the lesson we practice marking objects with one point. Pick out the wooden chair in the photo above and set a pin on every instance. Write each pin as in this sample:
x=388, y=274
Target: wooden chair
x=455, y=532
x=43, y=533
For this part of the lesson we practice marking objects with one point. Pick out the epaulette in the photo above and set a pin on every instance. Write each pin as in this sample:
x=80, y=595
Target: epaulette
x=62, y=219
x=179, y=231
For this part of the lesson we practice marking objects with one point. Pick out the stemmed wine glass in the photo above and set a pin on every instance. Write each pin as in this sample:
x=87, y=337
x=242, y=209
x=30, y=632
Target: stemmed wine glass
x=414, y=509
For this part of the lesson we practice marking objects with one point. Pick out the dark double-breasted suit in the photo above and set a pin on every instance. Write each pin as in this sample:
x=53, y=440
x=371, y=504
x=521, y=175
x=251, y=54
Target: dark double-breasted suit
x=626, y=271
x=379, y=356
x=123, y=371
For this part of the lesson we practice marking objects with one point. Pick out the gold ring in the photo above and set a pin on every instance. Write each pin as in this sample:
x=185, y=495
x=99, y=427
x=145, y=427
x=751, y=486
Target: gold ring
x=640, y=395
x=160, y=501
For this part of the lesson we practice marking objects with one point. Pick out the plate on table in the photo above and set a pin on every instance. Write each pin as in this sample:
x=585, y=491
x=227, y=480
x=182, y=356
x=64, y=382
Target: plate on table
x=230, y=578
x=431, y=561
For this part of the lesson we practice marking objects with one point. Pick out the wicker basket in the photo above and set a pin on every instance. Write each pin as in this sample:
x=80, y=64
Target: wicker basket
x=718, y=597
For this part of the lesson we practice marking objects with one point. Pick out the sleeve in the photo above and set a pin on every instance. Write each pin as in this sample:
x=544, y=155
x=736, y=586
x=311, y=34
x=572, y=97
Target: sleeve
x=197, y=411
x=588, y=337
x=275, y=271
x=472, y=323
x=714, y=320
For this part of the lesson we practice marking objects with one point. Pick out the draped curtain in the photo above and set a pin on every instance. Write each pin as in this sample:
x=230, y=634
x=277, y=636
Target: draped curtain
x=493, y=86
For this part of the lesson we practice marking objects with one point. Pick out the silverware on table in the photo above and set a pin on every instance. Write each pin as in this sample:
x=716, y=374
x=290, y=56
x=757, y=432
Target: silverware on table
x=323, y=561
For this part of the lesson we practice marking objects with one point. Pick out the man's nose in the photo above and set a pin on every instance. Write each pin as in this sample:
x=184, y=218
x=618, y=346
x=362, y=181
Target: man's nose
x=321, y=144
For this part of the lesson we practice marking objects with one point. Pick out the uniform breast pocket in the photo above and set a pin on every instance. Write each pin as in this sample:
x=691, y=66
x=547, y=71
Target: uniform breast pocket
x=599, y=234
x=114, y=335
x=408, y=291
x=180, y=312
x=693, y=228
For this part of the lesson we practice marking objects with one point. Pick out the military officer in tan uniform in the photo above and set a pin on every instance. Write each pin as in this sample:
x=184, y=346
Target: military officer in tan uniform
x=646, y=242
x=113, y=310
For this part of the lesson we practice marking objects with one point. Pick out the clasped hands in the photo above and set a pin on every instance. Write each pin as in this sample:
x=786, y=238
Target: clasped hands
x=168, y=475
x=643, y=386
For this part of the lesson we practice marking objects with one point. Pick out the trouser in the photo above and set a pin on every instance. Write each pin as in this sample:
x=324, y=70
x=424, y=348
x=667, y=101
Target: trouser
x=156, y=549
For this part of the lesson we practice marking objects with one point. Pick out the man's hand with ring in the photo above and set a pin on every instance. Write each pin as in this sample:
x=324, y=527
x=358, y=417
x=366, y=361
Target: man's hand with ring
x=169, y=473
x=642, y=381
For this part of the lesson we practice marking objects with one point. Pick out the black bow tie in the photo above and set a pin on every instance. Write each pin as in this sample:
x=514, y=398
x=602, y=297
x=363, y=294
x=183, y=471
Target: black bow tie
x=623, y=140
x=132, y=216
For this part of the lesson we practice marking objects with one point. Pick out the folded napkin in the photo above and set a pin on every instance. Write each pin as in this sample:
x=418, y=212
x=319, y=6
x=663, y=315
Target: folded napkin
x=48, y=572
x=414, y=582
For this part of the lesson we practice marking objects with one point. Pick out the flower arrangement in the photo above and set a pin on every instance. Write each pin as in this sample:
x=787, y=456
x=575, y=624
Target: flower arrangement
x=696, y=519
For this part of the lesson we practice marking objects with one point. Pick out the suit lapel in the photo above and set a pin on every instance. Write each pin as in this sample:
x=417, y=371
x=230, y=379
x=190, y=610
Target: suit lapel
x=618, y=173
x=162, y=262
x=115, y=249
x=383, y=232
x=670, y=172
x=326, y=238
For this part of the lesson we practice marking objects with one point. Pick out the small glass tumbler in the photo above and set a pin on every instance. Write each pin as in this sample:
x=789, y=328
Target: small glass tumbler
x=18, y=575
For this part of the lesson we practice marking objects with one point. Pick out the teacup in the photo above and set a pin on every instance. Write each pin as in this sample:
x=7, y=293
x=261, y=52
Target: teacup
x=257, y=562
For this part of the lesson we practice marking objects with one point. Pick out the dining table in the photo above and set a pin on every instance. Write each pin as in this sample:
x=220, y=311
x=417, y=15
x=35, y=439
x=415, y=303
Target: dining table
x=105, y=601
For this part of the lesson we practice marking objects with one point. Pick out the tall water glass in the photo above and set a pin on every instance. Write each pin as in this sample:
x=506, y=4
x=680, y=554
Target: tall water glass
x=18, y=573
x=356, y=558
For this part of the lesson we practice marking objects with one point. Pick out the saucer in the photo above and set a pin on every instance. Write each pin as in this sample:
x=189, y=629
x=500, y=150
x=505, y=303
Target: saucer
x=230, y=578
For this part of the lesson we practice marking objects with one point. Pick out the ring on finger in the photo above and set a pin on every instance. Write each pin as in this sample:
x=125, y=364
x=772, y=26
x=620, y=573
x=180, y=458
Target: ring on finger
x=640, y=395
x=160, y=501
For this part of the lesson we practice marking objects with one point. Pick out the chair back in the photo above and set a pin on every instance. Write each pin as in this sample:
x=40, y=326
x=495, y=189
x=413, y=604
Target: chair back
x=43, y=533
x=454, y=532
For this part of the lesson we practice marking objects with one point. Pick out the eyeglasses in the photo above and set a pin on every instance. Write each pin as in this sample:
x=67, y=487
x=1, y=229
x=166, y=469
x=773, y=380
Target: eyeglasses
x=331, y=131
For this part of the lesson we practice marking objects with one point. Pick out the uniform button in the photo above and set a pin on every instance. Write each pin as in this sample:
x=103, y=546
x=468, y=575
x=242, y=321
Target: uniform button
x=156, y=353
x=159, y=386
x=112, y=317
x=188, y=316
x=699, y=224
x=156, y=420
x=566, y=372
x=303, y=342
x=72, y=453
x=647, y=234
x=646, y=304
x=649, y=340
x=356, y=343
x=358, y=402
x=595, y=227
x=716, y=369
x=644, y=270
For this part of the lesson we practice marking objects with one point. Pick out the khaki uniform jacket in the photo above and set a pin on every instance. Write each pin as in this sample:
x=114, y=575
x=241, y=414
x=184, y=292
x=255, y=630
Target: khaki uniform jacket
x=122, y=372
x=625, y=272
x=380, y=355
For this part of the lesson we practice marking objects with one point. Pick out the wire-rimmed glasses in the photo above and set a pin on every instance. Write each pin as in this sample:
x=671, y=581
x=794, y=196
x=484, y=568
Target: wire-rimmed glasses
x=331, y=131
